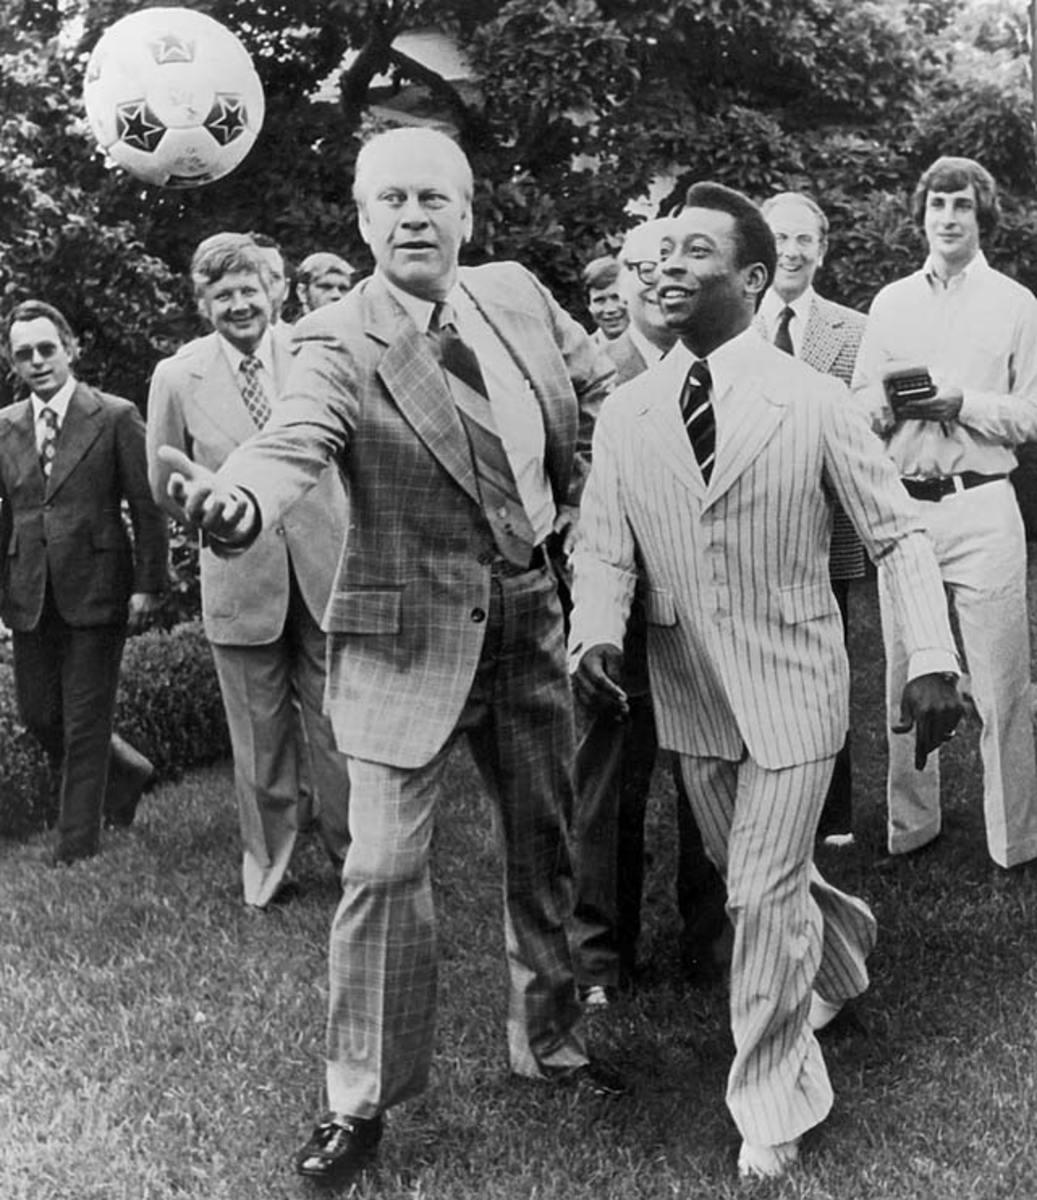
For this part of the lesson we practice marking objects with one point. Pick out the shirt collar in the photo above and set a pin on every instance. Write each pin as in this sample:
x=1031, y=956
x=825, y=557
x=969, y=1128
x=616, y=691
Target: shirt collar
x=418, y=309
x=727, y=363
x=772, y=305
x=649, y=351
x=976, y=266
x=58, y=403
x=264, y=352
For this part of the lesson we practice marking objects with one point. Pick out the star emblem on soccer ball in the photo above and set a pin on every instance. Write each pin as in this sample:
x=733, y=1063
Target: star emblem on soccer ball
x=137, y=126
x=170, y=48
x=227, y=119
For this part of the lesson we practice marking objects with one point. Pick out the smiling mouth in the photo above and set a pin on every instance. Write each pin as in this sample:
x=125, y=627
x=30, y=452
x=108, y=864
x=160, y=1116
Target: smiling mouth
x=672, y=292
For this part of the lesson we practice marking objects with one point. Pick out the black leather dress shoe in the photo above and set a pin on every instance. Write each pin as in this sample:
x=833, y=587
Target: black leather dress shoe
x=596, y=1078
x=339, y=1149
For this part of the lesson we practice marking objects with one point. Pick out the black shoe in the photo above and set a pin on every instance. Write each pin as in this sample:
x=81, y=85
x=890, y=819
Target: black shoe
x=596, y=1078
x=339, y=1149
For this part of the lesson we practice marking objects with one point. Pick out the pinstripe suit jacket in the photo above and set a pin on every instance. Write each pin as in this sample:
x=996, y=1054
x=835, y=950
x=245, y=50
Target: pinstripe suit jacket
x=745, y=639
x=195, y=405
x=407, y=615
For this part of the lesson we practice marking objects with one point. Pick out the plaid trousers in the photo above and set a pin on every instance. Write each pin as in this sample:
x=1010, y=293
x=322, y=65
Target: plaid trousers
x=381, y=1014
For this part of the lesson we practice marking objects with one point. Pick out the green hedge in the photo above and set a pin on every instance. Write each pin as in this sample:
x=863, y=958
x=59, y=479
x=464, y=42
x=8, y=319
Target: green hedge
x=169, y=707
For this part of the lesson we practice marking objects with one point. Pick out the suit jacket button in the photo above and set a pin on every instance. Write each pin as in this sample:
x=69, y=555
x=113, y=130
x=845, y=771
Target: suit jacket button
x=478, y=615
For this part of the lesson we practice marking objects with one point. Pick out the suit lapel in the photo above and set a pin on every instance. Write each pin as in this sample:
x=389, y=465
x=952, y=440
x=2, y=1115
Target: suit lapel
x=79, y=431
x=518, y=331
x=217, y=396
x=23, y=444
x=821, y=339
x=747, y=424
x=666, y=435
x=414, y=379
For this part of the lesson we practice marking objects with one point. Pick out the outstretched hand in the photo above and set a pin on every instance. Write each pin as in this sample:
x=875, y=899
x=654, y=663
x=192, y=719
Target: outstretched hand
x=596, y=680
x=931, y=706
x=226, y=514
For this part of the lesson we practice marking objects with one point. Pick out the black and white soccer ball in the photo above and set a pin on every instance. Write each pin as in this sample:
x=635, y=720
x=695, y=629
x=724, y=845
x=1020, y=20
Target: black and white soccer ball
x=172, y=97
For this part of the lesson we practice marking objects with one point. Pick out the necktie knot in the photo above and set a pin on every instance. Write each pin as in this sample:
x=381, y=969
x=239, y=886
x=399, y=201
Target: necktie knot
x=49, y=417
x=699, y=378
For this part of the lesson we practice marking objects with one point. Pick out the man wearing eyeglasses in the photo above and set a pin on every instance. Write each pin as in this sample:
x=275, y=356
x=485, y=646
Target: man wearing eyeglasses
x=71, y=583
x=614, y=761
x=826, y=336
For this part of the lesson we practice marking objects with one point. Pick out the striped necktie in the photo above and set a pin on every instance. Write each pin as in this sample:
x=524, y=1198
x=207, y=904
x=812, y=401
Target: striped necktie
x=498, y=490
x=253, y=392
x=49, y=440
x=699, y=419
x=782, y=337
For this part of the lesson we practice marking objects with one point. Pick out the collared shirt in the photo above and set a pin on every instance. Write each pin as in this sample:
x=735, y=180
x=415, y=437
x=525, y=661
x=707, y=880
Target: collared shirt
x=649, y=351
x=515, y=408
x=58, y=404
x=771, y=308
x=726, y=367
x=978, y=332
x=264, y=352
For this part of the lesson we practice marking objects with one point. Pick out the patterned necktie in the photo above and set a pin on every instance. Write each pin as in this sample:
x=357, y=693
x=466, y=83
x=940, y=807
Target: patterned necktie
x=782, y=337
x=49, y=441
x=498, y=490
x=699, y=419
x=253, y=392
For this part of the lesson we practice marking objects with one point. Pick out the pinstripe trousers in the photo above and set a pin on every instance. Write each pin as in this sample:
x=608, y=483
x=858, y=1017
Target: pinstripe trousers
x=382, y=963
x=793, y=933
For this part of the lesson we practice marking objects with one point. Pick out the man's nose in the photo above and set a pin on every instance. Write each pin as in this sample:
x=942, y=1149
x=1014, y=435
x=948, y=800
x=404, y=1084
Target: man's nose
x=413, y=213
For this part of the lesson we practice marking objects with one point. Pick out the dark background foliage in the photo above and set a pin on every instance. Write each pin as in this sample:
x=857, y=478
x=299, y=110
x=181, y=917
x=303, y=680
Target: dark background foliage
x=577, y=105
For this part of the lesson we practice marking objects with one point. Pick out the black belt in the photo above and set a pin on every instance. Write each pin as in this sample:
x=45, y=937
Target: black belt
x=503, y=568
x=936, y=489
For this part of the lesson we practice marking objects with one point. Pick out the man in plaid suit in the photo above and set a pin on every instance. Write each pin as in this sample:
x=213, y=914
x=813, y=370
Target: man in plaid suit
x=444, y=617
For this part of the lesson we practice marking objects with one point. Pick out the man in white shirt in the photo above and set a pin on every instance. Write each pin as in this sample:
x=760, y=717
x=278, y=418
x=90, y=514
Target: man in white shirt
x=826, y=336
x=974, y=330
x=261, y=612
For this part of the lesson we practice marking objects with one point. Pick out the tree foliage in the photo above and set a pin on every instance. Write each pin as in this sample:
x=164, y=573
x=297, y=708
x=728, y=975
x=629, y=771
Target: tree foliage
x=582, y=107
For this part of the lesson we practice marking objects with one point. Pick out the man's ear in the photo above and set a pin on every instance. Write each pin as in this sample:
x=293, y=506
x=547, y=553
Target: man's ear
x=755, y=279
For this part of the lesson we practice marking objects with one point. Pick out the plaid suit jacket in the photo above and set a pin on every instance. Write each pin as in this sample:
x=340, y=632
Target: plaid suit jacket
x=407, y=615
x=195, y=405
x=745, y=641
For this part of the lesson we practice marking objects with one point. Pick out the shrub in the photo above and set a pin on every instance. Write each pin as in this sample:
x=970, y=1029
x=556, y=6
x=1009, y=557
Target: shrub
x=168, y=706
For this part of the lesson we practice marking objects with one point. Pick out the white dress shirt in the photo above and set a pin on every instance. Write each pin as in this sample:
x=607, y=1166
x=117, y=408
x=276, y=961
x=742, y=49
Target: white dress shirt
x=771, y=308
x=58, y=404
x=977, y=332
x=513, y=403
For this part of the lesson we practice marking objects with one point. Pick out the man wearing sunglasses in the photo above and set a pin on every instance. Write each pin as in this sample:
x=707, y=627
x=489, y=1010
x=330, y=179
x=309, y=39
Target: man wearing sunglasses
x=71, y=583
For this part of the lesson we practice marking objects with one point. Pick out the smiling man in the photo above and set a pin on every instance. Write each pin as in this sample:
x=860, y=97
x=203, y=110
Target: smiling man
x=261, y=613
x=974, y=331
x=826, y=336
x=712, y=475
x=458, y=404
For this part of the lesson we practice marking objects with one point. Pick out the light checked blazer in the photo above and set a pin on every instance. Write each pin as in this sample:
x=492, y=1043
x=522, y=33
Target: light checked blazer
x=745, y=638
x=195, y=405
x=407, y=616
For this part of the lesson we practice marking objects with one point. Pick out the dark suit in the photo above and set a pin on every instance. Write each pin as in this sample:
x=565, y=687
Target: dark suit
x=68, y=572
x=431, y=637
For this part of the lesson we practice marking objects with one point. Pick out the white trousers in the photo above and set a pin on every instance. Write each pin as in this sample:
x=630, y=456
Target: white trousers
x=981, y=547
x=793, y=934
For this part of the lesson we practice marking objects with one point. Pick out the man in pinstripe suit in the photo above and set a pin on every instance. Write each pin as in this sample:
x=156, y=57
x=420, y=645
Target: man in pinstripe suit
x=444, y=617
x=730, y=517
x=826, y=336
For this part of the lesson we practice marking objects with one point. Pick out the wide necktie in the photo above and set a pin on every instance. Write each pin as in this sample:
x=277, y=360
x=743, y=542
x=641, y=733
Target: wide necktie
x=49, y=440
x=498, y=490
x=699, y=418
x=782, y=337
x=253, y=392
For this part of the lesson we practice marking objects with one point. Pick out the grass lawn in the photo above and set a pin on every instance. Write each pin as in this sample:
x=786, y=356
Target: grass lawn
x=158, y=1042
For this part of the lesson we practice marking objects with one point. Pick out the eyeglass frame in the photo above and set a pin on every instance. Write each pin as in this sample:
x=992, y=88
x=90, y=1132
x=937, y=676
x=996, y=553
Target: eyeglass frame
x=646, y=269
x=25, y=354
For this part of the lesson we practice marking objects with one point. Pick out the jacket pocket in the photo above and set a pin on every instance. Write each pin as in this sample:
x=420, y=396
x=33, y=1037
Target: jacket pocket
x=806, y=602
x=660, y=608
x=364, y=611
